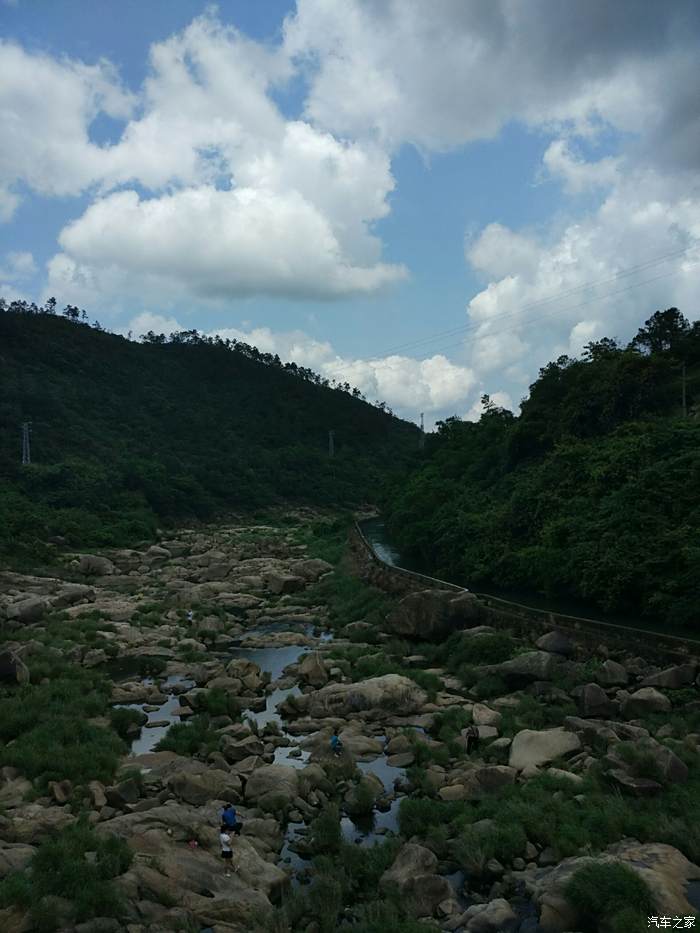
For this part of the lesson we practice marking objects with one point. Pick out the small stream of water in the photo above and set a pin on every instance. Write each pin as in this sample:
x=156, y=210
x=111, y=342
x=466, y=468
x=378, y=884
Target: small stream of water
x=362, y=831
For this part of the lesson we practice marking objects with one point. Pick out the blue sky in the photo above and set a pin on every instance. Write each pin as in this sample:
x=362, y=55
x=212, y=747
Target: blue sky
x=341, y=181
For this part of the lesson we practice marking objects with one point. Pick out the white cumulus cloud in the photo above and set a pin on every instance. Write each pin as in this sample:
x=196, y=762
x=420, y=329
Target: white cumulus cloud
x=575, y=172
x=601, y=275
x=46, y=108
x=240, y=200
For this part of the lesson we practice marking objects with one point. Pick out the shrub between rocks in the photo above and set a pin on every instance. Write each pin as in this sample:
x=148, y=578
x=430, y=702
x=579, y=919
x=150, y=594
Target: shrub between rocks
x=461, y=649
x=325, y=835
x=348, y=598
x=346, y=883
x=641, y=764
x=570, y=819
x=76, y=865
x=218, y=702
x=612, y=894
x=486, y=687
x=195, y=737
x=448, y=723
x=46, y=735
x=531, y=713
x=473, y=848
x=325, y=539
x=122, y=719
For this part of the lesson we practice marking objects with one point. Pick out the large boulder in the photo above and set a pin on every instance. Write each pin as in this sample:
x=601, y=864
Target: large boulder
x=95, y=566
x=272, y=786
x=531, y=748
x=594, y=701
x=14, y=856
x=312, y=670
x=556, y=643
x=525, y=668
x=14, y=789
x=477, y=782
x=358, y=631
x=387, y=695
x=27, y=609
x=665, y=870
x=495, y=917
x=248, y=672
x=611, y=674
x=72, y=593
x=123, y=793
x=414, y=873
x=212, y=784
x=644, y=701
x=280, y=583
x=430, y=614
x=93, y=657
x=672, y=678
x=167, y=872
x=311, y=568
x=157, y=553
x=483, y=716
x=360, y=746
x=236, y=750
x=668, y=767
x=595, y=730
x=32, y=823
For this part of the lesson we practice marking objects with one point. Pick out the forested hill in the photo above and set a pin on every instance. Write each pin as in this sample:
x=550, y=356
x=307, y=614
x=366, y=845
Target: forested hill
x=126, y=435
x=593, y=492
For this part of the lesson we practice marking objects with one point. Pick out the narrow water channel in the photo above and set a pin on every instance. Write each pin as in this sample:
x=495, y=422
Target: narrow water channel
x=364, y=831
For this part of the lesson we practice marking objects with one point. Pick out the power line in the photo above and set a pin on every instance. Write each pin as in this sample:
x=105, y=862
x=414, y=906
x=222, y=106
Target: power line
x=471, y=325
x=623, y=273
x=542, y=317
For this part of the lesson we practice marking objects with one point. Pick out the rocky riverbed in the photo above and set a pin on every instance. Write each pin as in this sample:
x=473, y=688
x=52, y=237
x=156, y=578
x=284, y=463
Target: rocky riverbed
x=214, y=666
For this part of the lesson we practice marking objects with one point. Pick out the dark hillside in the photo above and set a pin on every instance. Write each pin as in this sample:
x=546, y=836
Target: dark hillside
x=127, y=434
x=592, y=493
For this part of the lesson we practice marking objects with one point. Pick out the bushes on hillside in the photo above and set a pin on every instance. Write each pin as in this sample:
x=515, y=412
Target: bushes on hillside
x=128, y=435
x=589, y=494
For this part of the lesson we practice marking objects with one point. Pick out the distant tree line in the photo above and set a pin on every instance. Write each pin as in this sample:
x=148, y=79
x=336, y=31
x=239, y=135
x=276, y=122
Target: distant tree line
x=192, y=338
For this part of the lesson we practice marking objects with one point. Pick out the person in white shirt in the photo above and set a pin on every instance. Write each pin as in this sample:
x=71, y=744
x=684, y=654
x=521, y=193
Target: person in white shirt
x=226, y=850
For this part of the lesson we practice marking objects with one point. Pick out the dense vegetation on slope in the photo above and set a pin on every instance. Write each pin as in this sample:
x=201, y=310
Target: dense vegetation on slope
x=592, y=492
x=126, y=435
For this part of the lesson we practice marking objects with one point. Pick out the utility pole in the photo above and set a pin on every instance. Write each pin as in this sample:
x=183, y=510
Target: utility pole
x=331, y=444
x=421, y=439
x=26, y=450
x=683, y=392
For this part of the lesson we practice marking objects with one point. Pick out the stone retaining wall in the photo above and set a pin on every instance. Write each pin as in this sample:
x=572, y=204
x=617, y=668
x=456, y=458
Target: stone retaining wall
x=386, y=577
x=523, y=620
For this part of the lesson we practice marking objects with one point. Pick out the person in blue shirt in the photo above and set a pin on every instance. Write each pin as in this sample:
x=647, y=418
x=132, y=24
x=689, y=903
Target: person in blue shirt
x=336, y=744
x=230, y=820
